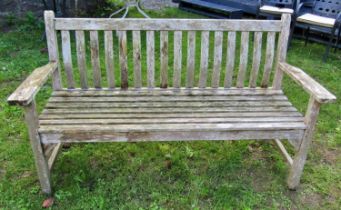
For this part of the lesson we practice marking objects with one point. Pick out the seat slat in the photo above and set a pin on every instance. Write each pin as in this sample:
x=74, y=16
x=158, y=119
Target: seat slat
x=66, y=51
x=109, y=58
x=48, y=115
x=167, y=104
x=168, y=121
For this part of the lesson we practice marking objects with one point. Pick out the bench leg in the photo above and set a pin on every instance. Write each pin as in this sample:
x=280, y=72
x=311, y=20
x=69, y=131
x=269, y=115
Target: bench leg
x=31, y=118
x=301, y=155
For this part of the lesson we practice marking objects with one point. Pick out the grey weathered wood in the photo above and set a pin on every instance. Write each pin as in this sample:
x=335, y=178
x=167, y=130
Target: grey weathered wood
x=122, y=36
x=80, y=45
x=31, y=118
x=52, y=44
x=137, y=59
x=321, y=94
x=110, y=136
x=205, y=41
x=257, y=53
x=94, y=48
x=67, y=59
x=218, y=48
x=190, y=59
x=164, y=59
x=166, y=24
x=269, y=58
x=282, y=49
x=27, y=90
x=109, y=58
x=168, y=92
x=52, y=158
x=301, y=156
x=177, y=59
x=284, y=151
x=231, y=47
x=150, y=59
x=244, y=50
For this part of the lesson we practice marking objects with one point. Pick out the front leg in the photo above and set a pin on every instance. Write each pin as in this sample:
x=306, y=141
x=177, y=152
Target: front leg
x=301, y=155
x=32, y=122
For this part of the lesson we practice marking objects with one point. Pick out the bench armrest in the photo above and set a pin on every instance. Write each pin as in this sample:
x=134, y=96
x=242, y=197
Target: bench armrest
x=26, y=92
x=321, y=94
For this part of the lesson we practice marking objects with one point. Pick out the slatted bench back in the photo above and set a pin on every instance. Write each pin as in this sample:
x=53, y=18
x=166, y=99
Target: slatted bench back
x=112, y=53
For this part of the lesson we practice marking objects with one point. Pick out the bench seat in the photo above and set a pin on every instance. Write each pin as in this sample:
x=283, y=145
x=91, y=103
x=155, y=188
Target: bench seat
x=163, y=115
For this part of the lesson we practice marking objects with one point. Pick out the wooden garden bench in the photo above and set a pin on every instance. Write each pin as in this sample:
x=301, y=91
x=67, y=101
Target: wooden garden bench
x=201, y=100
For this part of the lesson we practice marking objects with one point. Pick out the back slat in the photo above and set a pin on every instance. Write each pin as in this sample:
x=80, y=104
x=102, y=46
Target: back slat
x=80, y=44
x=205, y=41
x=122, y=36
x=218, y=49
x=257, y=53
x=177, y=59
x=150, y=58
x=164, y=58
x=95, y=58
x=137, y=58
x=66, y=51
x=244, y=50
x=231, y=48
x=109, y=58
x=190, y=59
x=166, y=24
x=270, y=52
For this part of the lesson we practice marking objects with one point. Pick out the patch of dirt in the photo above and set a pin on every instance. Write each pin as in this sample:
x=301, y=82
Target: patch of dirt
x=330, y=156
x=311, y=200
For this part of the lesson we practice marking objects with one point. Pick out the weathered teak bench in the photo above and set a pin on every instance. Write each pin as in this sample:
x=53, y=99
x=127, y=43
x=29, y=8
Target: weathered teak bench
x=212, y=105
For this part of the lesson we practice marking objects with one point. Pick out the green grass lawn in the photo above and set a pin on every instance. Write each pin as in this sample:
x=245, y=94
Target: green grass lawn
x=177, y=175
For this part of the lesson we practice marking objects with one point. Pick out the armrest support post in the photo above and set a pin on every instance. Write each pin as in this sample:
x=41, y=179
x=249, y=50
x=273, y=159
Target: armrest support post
x=26, y=92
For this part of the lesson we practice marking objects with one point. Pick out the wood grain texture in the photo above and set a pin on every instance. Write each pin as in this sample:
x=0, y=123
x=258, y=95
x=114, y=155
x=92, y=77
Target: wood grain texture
x=150, y=59
x=190, y=59
x=269, y=58
x=67, y=59
x=109, y=58
x=137, y=59
x=177, y=59
x=230, y=60
x=205, y=41
x=81, y=59
x=31, y=118
x=122, y=36
x=321, y=94
x=296, y=169
x=52, y=45
x=218, y=50
x=282, y=49
x=244, y=50
x=257, y=53
x=28, y=89
x=166, y=24
x=164, y=59
x=94, y=48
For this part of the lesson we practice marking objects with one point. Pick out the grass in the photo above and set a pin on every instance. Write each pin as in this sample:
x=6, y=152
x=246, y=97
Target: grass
x=177, y=175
